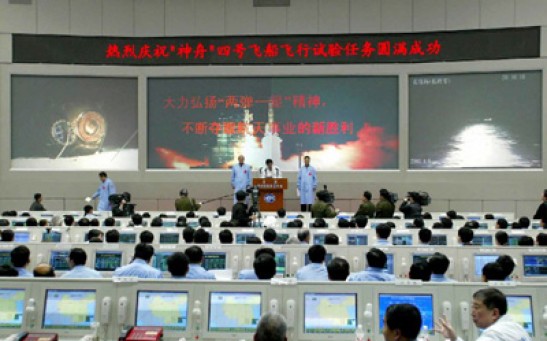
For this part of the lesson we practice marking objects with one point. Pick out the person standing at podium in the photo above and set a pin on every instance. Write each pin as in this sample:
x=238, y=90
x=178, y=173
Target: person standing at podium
x=241, y=176
x=270, y=171
x=306, y=185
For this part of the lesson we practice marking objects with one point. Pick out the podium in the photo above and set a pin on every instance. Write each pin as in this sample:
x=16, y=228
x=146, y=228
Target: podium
x=270, y=193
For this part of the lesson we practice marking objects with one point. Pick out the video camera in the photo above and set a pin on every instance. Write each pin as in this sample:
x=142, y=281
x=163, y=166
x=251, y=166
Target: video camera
x=326, y=196
x=420, y=197
x=392, y=197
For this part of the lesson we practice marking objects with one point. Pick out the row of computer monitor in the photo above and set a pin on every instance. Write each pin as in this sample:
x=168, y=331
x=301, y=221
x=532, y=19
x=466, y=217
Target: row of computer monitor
x=466, y=262
x=223, y=311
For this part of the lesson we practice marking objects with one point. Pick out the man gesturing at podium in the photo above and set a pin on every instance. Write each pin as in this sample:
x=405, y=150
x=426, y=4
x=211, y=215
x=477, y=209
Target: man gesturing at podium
x=270, y=171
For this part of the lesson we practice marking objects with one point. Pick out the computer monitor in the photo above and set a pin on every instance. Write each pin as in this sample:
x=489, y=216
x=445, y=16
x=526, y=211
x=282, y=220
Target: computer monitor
x=389, y=264
x=330, y=313
x=319, y=238
x=357, y=239
x=483, y=225
x=169, y=238
x=328, y=258
x=160, y=260
x=167, y=309
x=438, y=239
x=241, y=238
x=214, y=260
x=423, y=257
x=234, y=312
x=280, y=263
x=69, y=309
x=128, y=237
x=5, y=257
x=520, y=310
x=13, y=307
x=18, y=222
x=473, y=217
x=514, y=240
x=59, y=260
x=482, y=239
x=52, y=237
x=423, y=302
x=193, y=224
x=481, y=261
x=169, y=223
x=21, y=237
x=534, y=265
x=281, y=238
x=401, y=239
x=310, y=225
x=108, y=260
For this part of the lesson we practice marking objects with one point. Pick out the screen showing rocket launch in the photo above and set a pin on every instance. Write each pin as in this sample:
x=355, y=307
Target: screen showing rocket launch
x=342, y=123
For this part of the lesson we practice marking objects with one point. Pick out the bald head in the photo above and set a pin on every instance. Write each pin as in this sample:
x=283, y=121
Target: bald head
x=241, y=159
x=272, y=327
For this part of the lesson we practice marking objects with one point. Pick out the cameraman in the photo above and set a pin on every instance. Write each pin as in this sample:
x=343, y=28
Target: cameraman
x=120, y=205
x=241, y=214
x=385, y=206
x=411, y=206
x=323, y=208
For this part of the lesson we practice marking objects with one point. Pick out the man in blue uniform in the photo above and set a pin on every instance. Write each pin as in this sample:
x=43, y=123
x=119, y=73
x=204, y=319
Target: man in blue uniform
x=316, y=270
x=20, y=259
x=241, y=176
x=376, y=261
x=306, y=185
x=195, y=258
x=76, y=260
x=105, y=190
x=139, y=267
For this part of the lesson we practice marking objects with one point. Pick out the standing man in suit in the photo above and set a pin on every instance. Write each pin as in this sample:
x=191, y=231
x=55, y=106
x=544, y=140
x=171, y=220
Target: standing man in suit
x=306, y=185
x=241, y=176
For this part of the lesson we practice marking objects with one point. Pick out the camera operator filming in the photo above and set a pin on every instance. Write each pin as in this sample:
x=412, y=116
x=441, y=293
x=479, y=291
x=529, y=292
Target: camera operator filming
x=412, y=204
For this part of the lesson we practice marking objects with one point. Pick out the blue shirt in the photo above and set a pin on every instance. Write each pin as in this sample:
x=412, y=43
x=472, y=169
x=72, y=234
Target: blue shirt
x=441, y=278
x=80, y=271
x=371, y=275
x=138, y=268
x=306, y=184
x=105, y=189
x=198, y=272
x=382, y=242
x=24, y=273
x=247, y=274
x=313, y=272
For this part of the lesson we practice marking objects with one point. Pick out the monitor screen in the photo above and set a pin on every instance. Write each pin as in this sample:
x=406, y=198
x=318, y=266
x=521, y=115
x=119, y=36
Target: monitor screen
x=169, y=238
x=160, y=260
x=5, y=257
x=13, y=306
x=389, y=264
x=193, y=224
x=241, y=238
x=69, y=309
x=18, y=223
x=329, y=313
x=423, y=302
x=128, y=238
x=21, y=237
x=214, y=260
x=108, y=260
x=423, y=257
x=234, y=312
x=169, y=223
x=357, y=239
x=281, y=238
x=438, y=239
x=59, y=260
x=280, y=263
x=514, y=240
x=483, y=225
x=535, y=265
x=473, y=217
x=520, y=310
x=482, y=240
x=167, y=309
x=328, y=258
x=52, y=237
x=481, y=261
x=402, y=239
x=319, y=239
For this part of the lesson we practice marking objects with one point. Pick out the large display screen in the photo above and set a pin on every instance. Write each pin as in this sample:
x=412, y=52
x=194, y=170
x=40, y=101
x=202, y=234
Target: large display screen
x=13, y=305
x=520, y=310
x=330, y=313
x=342, y=123
x=475, y=120
x=73, y=123
x=167, y=309
x=535, y=265
x=234, y=312
x=69, y=309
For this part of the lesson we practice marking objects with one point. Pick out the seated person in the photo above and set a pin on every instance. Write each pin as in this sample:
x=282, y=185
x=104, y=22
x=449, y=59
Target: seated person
x=383, y=231
x=31, y=222
x=221, y=211
x=402, y=322
x=95, y=233
x=139, y=267
x=319, y=223
x=465, y=236
x=343, y=223
x=76, y=261
x=376, y=262
x=178, y=265
x=320, y=208
x=332, y=239
x=156, y=222
x=315, y=270
x=7, y=235
x=83, y=222
x=411, y=207
x=188, y=235
x=88, y=212
x=68, y=220
x=184, y=203
x=493, y=272
x=502, y=224
x=269, y=236
x=502, y=238
x=420, y=271
x=44, y=270
x=196, y=271
x=226, y=237
x=446, y=223
x=112, y=236
x=338, y=269
x=526, y=241
x=201, y=236
x=425, y=235
x=541, y=239
x=360, y=221
x=281, y=213
x=507, y=264
x=265, y=267
x=109, y=222
x=136, y=220
x=20, y=259
x=249, y=274
x=524, y=222
x=146, y=237
x=304, y=236
x=439, y=264
x=366, y=208
x=7, y=270
x=418, y=223
x=241, y=214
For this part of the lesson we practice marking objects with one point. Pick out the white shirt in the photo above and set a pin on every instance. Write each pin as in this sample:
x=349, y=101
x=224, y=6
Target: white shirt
x=266, y=173
x=504, y=329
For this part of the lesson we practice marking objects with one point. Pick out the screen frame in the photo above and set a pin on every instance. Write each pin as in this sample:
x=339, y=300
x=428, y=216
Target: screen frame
x=188, y=311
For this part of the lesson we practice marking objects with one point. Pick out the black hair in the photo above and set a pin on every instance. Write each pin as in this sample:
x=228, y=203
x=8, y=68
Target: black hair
x=264, y=266
x=177, y=264
x=144, y=251
x=201, y=236
x=78, y=256
x=319, y=223
x=493, y=272
x=109, y=222
x=190, y=214
x=507, y=263
x=188, y=234
x=43, y=222
x=146, y=237
x=269, y=161
x=225, y=236
x=156, y=222
x=427, y=215
x=361, y=220
x=69, y=220
x=489, y=216
x=112, y=236
x=298, y=222
x=88, y=209
x=338, y=269
x=226, y=223
x=465, y=234
x=524, y=222
x=264, y=250
x=7, y=270
x=526, y=241
x=83, y=222
x=376, y=258
x=502, y=237
x=383, y=231
x=367, y=195
x=502, y=223
x=331, y=239
x=37, y=196
x=7, y=235
x=31, y=222
x=452, y=214
x=94, y=233
x=136, y=219
x=94, y=222
x=194, y=254
x=425, y=235
x=420, y=270
x=20, y=256
x=446, y=222
x=221, y=211
x=303, y=234
x=269, y=235
x=492, y=298
x=406, y=318
x=253, y=240
x=541, y=239
x=281, y=213
x=103, y=174
x=343, y=223
x=317, y=253
x=241, y=195
x=438, y=263
x=418, y=222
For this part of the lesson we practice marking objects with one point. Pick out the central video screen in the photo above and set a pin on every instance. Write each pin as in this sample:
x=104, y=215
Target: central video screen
x=342, y=123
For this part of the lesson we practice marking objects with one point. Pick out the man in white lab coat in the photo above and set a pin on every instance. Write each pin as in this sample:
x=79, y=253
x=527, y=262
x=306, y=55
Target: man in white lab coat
x=306, y=185
x=241, y=176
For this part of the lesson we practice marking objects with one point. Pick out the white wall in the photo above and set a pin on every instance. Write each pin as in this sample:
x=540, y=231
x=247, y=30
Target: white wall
x=485, y=191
